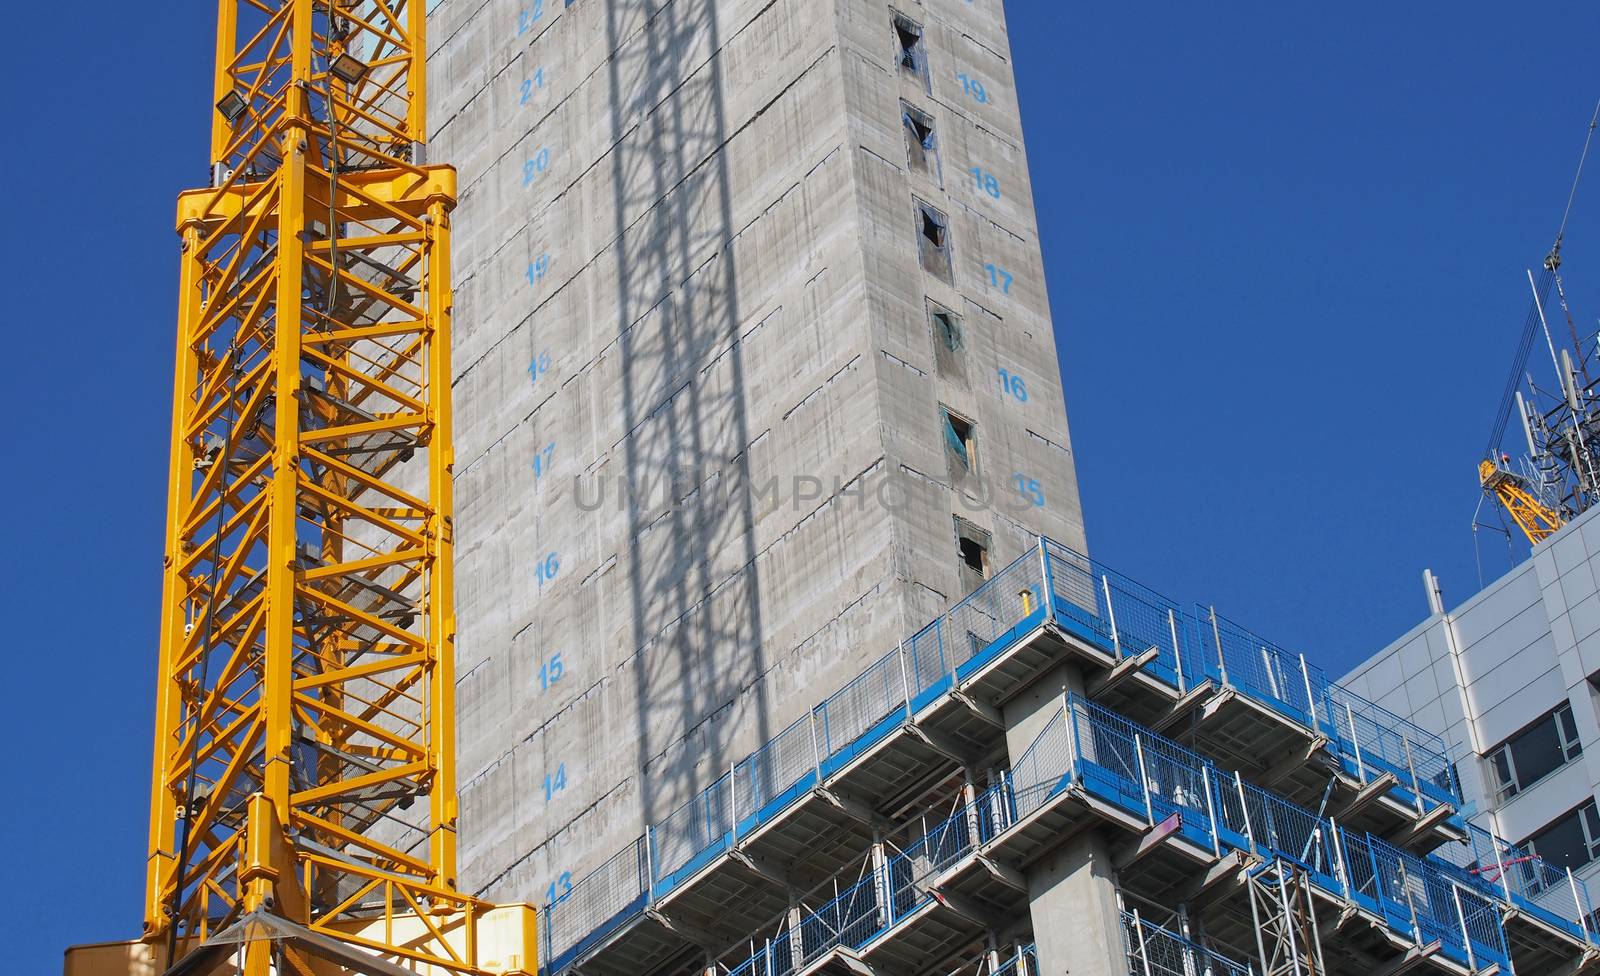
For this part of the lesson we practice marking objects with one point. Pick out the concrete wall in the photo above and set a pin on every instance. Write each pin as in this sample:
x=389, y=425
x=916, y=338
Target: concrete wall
x=1502, y=659
x=686, y=262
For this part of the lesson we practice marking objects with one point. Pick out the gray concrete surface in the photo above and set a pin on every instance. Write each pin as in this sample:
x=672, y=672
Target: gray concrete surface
x=699, y=216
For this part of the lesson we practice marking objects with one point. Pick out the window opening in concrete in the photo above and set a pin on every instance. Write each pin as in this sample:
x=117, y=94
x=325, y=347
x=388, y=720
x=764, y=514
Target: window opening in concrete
x=933, y=240
x=961, y=443
x=1535, y=752
x=1571, y=841
x=949, y=343
x=972, y=548
x=922, y=145
x=910, y=47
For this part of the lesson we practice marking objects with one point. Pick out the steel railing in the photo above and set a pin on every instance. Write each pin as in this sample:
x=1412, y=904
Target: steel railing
x=1155, y=951
x=1123, y=617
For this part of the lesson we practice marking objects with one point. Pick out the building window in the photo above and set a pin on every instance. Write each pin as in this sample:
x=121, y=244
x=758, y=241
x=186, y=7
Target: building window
x=933, y=240
x=949, y=343
x=911, y=48
x=960, y=443
x=1535, y=752
x=972, y=548
x=1572, y=841
x=922, y=145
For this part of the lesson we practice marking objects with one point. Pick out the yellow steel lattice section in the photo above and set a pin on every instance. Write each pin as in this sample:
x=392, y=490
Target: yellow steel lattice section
x=303, y=740
x=1536, y=520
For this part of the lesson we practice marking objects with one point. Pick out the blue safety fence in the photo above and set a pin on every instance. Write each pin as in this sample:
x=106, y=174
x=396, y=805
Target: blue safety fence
x=1151, y=777
x=1155, y=951
x=1117, y=761
x=851, y=721
x=595, y=907
x=1126, y=618
x=1048, y=583
x=870, y=899
x=1517, y=876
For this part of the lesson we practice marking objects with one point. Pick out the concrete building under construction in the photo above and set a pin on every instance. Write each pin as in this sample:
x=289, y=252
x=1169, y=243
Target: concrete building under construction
x=645, y=415
x=778, y=648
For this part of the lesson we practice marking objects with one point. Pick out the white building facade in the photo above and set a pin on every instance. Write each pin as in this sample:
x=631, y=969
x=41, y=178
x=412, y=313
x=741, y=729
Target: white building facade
x=1511, y=679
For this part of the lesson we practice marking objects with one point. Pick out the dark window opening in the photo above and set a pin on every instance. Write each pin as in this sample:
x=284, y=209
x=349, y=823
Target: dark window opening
x=922, y=146
x=1572, y=841
x=909, y=47
x=972, y=548
x=1535, y=752
x=933, y=240
x=961, y=444
x=949, y=343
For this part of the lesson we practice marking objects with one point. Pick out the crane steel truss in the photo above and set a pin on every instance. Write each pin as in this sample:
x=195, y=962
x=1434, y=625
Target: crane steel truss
x=1285, y=918
x=304, y=778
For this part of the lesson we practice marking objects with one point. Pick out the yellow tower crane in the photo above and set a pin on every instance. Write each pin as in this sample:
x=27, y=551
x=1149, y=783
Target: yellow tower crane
x=1536, y=520
x=303, y=801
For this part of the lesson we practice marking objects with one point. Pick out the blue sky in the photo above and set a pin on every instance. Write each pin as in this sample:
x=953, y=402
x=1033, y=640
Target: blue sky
x=1285, y=246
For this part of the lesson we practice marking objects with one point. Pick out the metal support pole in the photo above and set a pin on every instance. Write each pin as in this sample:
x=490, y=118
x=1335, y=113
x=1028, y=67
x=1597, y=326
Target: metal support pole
x=955, y=680
x=733, y=800
x=1355, y=740
x=1047, y=592
x=1311, y=701
x=1411, y=763
x=650, y=863
x=1466, y=936
x=880, y=881
x=1177, y=652
x=1144, y=779
x=1216, y=631
x=1144, y=954
x=1289, y=916
x=905, y=681
x=1411, y=903
x=1500, y=863
x=1577, y=904
x=816, y=749
x=1338, y=856
x=1070, y=723
x=1111, y=616
x=1211, y=811
x=1244, y=808
x=1272, y=675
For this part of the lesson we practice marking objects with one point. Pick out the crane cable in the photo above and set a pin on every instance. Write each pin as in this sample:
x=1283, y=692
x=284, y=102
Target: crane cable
x=1530, y=325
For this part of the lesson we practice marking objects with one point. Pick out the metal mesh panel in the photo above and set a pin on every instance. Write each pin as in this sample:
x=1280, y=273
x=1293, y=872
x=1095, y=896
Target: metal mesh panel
x=610, y=890
x=1290, y=830
x=778, y=765
x=926, y=661
x=705, y=820
x=861, y=704
x=994, y=608
x=1175, y=778
x=1076, y=591
x=1423, y=891
x=1037, y=775
x=1383, y=741
x=850, y=919
x=1254, y=664
x=1501, y=870
x=1154, y=951
x=1144, y=619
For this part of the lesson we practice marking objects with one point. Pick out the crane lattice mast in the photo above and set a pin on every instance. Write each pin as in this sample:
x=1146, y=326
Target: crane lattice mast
x=303, y=803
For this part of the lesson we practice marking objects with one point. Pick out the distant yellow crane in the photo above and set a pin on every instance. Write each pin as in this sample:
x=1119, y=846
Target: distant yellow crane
x=303, y=800
x=1536, y=520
